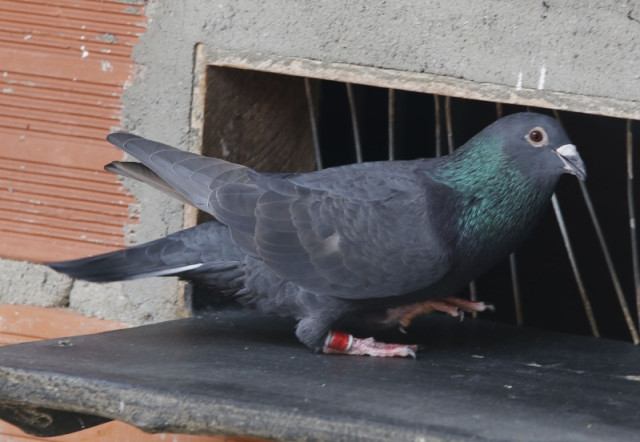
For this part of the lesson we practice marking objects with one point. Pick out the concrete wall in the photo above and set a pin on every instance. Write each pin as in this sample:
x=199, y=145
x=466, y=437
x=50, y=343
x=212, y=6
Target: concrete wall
x=584, y=48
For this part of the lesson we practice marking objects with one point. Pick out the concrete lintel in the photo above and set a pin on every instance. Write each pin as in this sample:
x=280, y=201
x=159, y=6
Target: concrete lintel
x=421, y=82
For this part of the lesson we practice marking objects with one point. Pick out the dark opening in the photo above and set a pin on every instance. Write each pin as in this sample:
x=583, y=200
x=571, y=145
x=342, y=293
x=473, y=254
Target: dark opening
x=262, y=120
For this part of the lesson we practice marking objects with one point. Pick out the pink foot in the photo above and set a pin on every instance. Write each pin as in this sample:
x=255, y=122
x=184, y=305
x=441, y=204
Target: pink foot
x=452, y=306
x=346, y=344
x=466, y=305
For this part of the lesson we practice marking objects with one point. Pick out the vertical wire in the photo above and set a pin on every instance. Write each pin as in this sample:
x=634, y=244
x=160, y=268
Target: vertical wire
x=612, y=271
x=574, y=266
x=473, y=289
x=392, y=117
x=436, y=109
x=607, y=257
x=448, y=122
x=515, y=285
x=314, y=123
x=354, y=122
x=513, y=265
x=635, y=258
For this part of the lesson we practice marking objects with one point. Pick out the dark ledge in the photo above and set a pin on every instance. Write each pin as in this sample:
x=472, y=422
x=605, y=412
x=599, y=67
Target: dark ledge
x=239, y=373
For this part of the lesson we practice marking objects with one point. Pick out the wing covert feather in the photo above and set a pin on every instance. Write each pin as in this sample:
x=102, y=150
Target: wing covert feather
x=358, y=231
x=347, y=247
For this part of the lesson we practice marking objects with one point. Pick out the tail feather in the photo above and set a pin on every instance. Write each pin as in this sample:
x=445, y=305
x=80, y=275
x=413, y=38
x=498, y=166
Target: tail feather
x=186, y=254
x=114, y=266
x=136, y=262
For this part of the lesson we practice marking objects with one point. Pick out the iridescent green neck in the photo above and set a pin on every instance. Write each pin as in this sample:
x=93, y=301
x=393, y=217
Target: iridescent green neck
x=476, y=166
x=497, y=202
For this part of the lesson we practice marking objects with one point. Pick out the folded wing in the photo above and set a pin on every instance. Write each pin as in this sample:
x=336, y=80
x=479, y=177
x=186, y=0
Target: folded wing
x=356, y=232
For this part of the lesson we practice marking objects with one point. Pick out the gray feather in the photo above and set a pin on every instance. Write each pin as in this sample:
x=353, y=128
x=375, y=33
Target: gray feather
x=142, y=173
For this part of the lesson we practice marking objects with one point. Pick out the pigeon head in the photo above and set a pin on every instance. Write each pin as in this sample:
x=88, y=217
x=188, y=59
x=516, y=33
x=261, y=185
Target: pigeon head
x=537, y=145
x=505, y=176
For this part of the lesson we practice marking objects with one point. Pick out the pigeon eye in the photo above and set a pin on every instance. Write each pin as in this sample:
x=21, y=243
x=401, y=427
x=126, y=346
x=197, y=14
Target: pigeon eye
x=537, y=137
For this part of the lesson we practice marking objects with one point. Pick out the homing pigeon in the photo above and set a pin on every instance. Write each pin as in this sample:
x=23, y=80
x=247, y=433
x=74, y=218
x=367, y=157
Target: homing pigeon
x=384, y=241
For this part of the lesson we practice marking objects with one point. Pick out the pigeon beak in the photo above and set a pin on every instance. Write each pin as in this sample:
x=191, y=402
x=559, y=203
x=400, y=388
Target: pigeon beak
x=572, y=162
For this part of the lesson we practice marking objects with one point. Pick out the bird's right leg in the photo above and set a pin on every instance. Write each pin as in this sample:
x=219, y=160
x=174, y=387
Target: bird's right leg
x=452, y=306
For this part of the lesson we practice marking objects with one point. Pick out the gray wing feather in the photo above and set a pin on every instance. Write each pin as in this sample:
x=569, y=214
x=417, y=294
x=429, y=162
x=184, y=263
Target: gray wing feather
x=140, y=172
x=360, y=231
x=347, y=247
x=189, y=174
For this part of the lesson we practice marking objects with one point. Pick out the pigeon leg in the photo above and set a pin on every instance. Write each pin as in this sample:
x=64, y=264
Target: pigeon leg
x=344, y=343
x=452, y=306
x=469, y=306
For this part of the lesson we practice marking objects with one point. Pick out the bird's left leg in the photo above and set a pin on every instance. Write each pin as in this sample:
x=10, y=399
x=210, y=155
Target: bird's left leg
x=344, y=343
x=452, y=306
x=316, y=333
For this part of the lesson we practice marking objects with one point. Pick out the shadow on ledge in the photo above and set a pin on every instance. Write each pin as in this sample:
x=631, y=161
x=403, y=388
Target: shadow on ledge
x=240, y=373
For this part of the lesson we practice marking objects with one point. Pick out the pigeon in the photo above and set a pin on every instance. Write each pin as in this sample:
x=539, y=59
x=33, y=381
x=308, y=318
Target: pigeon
x=382, y=241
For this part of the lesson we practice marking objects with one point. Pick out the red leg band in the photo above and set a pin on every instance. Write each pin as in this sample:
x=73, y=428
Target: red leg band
x=339, y=341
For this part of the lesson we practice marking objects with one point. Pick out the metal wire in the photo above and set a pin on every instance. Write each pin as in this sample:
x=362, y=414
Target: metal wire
x=612, y=271
x=635, y=259
x=392, y=116
x=607, y=256
x=449, y=123
x=314, y=123
x=515, y=285
x=574, y=266
x=436, y=109
x=354, y=122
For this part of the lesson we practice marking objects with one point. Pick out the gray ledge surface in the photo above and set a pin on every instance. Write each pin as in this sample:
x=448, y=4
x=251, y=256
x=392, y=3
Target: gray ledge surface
x=239, y=373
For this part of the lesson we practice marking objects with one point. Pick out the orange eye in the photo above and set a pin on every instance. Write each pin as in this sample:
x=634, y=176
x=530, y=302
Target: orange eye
x=537, y=137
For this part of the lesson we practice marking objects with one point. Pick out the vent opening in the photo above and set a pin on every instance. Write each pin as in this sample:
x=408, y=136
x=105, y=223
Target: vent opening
x=280, y=123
